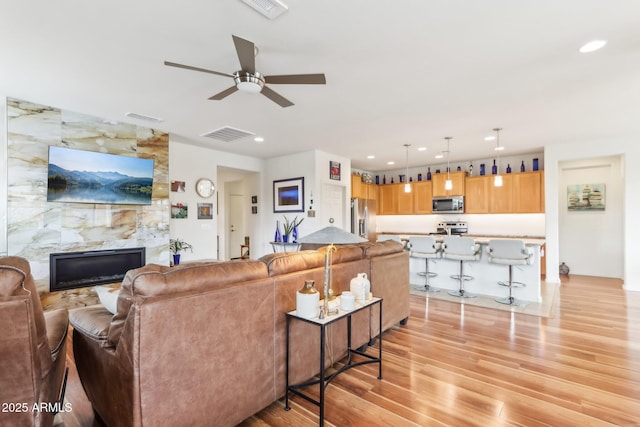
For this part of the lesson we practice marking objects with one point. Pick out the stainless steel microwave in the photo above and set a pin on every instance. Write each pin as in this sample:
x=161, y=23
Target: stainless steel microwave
x=448, y=204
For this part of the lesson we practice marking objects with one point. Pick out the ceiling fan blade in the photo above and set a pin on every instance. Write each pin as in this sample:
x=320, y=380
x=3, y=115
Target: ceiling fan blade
x=246, y=54
x=277, y=98
x=297, y=79
x=189, y=67
x=224, y=93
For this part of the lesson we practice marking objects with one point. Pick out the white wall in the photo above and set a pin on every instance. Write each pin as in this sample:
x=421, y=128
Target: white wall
x=627, y=147
x=591, y=241
x=189, y=163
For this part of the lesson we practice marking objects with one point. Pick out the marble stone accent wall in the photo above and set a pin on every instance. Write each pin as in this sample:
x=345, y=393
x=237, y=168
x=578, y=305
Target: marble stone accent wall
x=37, y=228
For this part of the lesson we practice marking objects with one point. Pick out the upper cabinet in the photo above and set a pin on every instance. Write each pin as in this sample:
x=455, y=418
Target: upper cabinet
x=519, y=193
x=388, y=199
x=457, y=179
x=422, y=197
x=362, y=190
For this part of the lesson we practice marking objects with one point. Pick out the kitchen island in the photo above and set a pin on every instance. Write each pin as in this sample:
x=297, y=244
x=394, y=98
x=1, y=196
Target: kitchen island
x=486, y=275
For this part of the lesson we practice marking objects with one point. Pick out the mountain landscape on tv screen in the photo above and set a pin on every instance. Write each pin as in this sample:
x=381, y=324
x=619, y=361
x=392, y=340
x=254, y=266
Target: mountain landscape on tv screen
x=97, y=187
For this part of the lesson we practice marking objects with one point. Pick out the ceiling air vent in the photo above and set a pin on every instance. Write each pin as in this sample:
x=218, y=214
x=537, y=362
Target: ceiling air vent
x=269, y=8
x=143, y=117
x=227, y=134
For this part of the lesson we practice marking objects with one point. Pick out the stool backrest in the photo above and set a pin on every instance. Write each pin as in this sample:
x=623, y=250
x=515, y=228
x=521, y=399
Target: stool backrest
x=459, y=245
x=423, y=244
x=508, y=249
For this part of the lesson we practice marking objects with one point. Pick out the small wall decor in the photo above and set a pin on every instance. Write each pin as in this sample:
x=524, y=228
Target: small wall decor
x=334, y=170
x=586, y=197
x=254, y=209
x=288, y=195
x=254, y=199
x=205, y=210
x=179, y=210
x=178, y=186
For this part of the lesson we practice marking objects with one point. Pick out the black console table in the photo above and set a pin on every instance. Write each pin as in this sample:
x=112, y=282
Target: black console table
x=324, y=379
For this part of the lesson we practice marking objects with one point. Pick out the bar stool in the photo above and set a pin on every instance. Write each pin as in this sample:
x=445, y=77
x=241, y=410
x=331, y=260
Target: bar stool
x=510, y=252
x=461, y=249
x=423, y=247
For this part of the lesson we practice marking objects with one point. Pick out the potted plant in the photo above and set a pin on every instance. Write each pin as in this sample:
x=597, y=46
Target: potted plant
x=290, y=227
x=176, y=246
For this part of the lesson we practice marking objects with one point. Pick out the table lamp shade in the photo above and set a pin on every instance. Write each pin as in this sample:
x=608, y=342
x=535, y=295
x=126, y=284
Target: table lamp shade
x=330, y=235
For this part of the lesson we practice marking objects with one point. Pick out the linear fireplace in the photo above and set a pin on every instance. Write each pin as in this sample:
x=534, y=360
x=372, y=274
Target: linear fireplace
x=70, y=270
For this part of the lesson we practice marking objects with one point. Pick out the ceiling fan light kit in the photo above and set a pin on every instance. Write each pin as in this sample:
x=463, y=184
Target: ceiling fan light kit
x=247, y=79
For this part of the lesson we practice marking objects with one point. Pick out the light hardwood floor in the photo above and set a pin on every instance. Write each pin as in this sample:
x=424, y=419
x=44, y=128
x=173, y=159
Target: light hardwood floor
x=459, y=365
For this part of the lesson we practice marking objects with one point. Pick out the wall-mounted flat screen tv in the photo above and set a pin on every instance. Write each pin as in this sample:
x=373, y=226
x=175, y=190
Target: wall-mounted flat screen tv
x=90, y=177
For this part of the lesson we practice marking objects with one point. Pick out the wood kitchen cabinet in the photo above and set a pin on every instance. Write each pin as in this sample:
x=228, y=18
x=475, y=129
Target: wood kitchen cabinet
x=457, y=179
x=362, y=190
x=388, y=199
x=422, y=197
x=528, y=194
x=476, y=194
x=501, y=198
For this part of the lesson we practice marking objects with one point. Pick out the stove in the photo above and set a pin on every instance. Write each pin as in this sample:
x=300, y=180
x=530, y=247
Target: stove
x=452, y=227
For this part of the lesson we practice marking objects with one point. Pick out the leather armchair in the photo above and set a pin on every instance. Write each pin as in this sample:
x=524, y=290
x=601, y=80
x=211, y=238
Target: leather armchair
x=32, y=349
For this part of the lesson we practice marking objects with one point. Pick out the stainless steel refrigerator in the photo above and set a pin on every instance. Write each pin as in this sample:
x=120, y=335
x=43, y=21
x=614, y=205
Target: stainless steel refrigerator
x=363, y=218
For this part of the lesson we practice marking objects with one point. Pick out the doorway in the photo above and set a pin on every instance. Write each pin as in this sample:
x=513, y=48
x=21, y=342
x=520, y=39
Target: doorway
x=236, y=225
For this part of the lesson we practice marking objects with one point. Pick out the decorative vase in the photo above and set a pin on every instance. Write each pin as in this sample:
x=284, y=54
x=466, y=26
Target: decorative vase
x=522, y=167
x=535, y=164
x=294, y=234
x=360, y=287
x=285, y=238
x=308, y=300
x=176, y=259
x=563, y=269
x=508, y=168
x=428, y=174
x=494, y=168
x=419, y=177
x=481, y=169
x=277, y=237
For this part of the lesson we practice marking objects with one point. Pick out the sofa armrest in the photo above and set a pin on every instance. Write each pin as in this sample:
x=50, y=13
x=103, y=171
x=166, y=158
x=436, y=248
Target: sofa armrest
x=57, y=327
x=92, y=322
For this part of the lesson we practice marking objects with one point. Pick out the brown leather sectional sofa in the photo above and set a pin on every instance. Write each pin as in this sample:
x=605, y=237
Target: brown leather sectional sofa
x=205, y=344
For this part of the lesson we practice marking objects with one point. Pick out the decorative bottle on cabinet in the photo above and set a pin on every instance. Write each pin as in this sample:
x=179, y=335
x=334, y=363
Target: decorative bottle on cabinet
x=508, y=168
x=522, y=167
x=481, y=169
x=535, y=164
x=277, y=237
x=494, y=168
x=428, y=173
x=470, y=169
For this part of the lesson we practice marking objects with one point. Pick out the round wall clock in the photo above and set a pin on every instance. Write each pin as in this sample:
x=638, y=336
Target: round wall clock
x=205, y=187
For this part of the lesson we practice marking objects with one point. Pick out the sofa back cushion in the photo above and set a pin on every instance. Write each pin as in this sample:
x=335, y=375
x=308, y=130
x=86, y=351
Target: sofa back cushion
x=384, y=247
x=289, y=262
x=156, y=280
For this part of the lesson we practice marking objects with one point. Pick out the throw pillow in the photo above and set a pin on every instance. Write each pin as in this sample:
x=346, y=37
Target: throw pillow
x=108, y=297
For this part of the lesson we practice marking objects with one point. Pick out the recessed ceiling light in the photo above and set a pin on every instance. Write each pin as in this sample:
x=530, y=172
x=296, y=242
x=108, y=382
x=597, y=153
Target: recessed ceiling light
x=422, y=148
x=391, y=163
x=439, y=156
x=371, y=157
x=499, y=148
x=489, y=138
x=258, y=139
x=592, y=46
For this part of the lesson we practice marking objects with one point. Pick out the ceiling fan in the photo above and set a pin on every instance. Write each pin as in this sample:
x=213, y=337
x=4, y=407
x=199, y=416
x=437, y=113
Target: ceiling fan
x=249, y=80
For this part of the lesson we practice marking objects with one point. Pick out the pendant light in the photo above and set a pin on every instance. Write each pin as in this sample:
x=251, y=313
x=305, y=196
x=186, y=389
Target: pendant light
x=448, y=184
x=407, y=185
x=497, y=180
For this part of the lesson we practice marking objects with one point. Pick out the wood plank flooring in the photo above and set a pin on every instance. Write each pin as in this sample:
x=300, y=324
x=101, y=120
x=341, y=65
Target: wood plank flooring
x=459, y=365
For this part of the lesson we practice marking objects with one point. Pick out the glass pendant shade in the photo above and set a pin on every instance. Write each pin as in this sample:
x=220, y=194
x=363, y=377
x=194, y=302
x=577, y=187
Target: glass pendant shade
x=407, y=188
x=497, y=181
x=448, y=185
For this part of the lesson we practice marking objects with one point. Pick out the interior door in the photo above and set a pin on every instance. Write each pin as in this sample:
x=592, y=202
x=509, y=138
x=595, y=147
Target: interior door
x=333, y=206
x=236, y=225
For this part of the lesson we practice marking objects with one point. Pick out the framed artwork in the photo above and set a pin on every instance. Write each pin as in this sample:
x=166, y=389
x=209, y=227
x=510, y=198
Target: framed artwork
x=205, y=210
x=334, y=170
x=254, y=209
x=288, y=195
x=586, y=197
x=179, y=210
x=254, y=199
x=178, y=186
